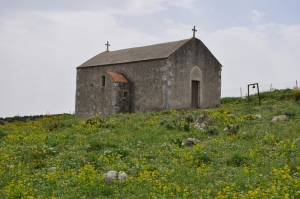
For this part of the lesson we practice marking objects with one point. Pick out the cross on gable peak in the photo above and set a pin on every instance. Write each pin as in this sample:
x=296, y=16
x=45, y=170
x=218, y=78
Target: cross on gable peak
x=107, y=45
x=194, y=30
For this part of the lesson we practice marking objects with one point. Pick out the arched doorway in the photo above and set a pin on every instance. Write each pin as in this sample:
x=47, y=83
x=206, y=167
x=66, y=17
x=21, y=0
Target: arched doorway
x=196, y=87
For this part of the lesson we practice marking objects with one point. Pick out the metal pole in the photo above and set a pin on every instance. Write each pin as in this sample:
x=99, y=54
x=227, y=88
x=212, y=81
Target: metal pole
x=241, y=92
x=296, y=85
x=271, y=87
x=258, y=94
x=248, y=96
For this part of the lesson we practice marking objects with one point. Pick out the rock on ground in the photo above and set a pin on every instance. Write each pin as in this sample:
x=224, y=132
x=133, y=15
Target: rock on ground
x=191, y=141
x=202, y=121
x=112, y=176
x=280, y=118
x=258, y=115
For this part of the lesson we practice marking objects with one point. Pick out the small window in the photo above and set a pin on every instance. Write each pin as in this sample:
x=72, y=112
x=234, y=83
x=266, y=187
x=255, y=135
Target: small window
x=103, y=80
x=125, y=94
x=92, y=87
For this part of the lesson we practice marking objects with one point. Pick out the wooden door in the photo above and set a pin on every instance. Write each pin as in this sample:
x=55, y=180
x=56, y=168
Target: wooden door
x=195, y=94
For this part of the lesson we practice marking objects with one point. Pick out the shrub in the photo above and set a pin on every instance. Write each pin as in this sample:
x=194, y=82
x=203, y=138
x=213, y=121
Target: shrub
x=249, y=117
x=2, y=134
x=183, y=125
x=96, y=119
x=122, y=152
x=233, y=129
x=237, y=160
x=54, y=125
x=290, y=114
x=189, y=118
x=177, y=142
x=296, y=94
x=169, y=124
x=202, y=158
x=96, y=144
x=212, y=130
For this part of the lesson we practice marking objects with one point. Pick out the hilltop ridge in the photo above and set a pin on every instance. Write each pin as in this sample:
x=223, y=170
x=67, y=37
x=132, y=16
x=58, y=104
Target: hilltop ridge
x=240, y=153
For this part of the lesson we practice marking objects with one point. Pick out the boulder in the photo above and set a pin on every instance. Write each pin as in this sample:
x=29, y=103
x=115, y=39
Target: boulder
x=258, y=115
x=191, y=141
x=202, y=121
x=112, y=176
x=280, y=118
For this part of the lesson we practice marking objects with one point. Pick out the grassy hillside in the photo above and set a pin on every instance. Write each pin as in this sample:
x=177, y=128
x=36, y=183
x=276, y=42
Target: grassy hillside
x=240, y=154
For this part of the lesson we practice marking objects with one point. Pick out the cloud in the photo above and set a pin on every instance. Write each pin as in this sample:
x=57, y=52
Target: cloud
x=40, y=51
x=263, y=54
x=188, y=4
x=257, y=16
x=177, y=31
x=138, y=7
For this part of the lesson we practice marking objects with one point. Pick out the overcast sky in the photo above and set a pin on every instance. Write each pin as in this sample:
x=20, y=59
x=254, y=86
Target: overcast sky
x=43, y=41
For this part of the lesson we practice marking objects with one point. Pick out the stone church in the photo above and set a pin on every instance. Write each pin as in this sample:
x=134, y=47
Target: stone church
x=175, y=75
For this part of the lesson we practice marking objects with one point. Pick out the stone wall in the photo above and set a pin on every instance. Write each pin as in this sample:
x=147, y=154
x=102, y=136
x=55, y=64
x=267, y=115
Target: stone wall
x=194, y=61
x=144, y=88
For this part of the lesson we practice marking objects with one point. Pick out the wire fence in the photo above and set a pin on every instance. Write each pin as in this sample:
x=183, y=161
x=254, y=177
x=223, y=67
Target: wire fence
x=243, y=91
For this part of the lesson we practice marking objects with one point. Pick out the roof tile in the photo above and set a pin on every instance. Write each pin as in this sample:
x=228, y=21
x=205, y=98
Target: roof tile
x=117, y=77
x=157, y=51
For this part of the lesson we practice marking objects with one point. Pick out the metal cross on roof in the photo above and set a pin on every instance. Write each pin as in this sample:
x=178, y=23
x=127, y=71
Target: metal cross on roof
x=107, y=44
x=194, y=30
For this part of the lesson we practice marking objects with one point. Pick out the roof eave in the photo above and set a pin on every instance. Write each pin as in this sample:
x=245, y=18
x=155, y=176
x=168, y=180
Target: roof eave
x=101, y=65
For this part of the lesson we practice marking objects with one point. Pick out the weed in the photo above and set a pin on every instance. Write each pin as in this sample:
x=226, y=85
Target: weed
x=202, y=158
x=53, y=126
x=237, y=160
x=189, y=118
x=177, y=142
x=2, y=134
x=212, y=130
x=226, y=100
x=97, y=143
x=59, y=156
x=233, y=129
x=249, y=117
x=290, y=114
x=167, y=123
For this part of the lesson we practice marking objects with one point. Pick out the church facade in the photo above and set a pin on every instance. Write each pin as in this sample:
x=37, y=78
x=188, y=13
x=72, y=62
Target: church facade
x=175, y=75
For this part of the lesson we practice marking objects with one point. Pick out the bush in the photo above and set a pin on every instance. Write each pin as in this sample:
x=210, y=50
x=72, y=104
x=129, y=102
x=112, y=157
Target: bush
x=233, y=129
x=296, y=94
x=169, y=124
x=177, y=142
x=189, y=118
x=249, y=117
x=202, y=158
x=290, y=114
x=212, y=130
x=237, y=160
x=54, y=125
x=2, y=134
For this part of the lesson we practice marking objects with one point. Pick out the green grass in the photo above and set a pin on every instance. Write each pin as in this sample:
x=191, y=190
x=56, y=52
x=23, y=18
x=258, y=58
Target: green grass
x=61, y=157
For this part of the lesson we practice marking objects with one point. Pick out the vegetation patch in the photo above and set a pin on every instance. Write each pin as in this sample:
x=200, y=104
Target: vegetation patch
x=234, y=151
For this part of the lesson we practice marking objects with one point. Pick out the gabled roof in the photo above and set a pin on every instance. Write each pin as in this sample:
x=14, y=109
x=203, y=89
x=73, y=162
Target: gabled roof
x=157, y=51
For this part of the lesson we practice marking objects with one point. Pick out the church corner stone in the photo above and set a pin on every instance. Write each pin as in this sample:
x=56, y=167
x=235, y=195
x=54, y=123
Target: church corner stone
x=174, y=75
